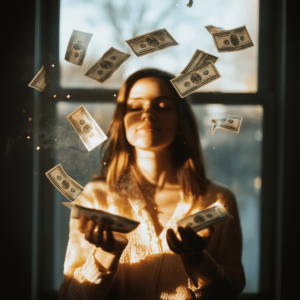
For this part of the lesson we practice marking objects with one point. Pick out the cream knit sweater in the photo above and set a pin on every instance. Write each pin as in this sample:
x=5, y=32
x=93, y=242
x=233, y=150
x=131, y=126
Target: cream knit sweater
x=148, y=269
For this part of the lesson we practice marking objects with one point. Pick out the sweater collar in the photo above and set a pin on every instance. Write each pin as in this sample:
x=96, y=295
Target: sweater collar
x=138, y=204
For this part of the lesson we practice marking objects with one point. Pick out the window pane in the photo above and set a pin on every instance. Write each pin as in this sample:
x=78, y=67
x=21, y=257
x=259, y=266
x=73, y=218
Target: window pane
x=231, y=159
x=113, y=22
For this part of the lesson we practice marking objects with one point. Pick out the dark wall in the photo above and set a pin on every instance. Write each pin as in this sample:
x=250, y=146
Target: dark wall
x=290, y=175
x=16, y=149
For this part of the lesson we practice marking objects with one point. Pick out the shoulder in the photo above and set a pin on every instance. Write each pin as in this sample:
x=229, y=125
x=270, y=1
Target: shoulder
x=220, y=189
x=221, y=193
x=93, y=192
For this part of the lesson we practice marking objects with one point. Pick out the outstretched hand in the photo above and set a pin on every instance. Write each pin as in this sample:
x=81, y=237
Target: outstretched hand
x=191, y=242
x=100, y=234
x=189, y=249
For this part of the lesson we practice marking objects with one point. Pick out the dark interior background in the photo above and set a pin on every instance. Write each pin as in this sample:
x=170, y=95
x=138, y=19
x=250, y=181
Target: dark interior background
x=17, y=152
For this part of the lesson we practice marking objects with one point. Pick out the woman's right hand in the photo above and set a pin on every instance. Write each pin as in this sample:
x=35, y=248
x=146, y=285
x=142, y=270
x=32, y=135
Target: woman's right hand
x=100, y=234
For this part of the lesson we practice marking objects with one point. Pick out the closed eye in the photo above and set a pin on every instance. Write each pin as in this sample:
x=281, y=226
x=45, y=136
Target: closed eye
x=135, y=108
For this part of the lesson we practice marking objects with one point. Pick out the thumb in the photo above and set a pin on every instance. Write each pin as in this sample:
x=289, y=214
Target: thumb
x=206, y=233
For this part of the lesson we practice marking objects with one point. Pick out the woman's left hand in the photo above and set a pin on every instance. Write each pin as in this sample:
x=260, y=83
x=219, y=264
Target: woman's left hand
x=189, y=249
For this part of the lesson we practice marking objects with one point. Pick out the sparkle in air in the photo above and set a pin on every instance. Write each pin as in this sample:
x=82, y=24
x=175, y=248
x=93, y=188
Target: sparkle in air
x=68, y=96
x=29, y=119
x=115, y=95
x=28, y=137
x=53, y=66
x=37, y=148
x=54, y=96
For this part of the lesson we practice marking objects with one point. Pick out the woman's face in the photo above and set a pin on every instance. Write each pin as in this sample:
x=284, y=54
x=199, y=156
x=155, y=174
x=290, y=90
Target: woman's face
x=151, y=119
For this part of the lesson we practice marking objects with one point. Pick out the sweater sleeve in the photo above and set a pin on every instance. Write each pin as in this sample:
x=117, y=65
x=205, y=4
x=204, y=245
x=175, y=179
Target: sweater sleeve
x=82, y=278
x=222, y=258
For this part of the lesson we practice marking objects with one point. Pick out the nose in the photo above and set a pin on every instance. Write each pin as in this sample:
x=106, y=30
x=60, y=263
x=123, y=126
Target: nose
x=148, y=114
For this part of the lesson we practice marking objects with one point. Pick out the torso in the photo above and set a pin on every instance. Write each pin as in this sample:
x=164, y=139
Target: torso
x=166, y=201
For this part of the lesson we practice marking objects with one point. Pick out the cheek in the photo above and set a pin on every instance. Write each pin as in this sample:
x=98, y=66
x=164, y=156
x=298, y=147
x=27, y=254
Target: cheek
x=171, y=123
x=129, y=121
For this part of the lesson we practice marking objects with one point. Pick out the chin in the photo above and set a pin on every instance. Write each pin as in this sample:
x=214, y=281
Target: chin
x=151, y=146
x=150, y=142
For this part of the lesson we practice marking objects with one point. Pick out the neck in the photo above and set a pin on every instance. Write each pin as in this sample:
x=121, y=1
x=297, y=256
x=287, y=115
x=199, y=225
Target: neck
x=156, y=166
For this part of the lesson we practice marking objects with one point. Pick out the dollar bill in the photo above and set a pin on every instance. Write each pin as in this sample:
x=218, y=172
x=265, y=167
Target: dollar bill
x=65, y=184
x=77, y=47
x=189, y=82
x=107, y=64
x=151, y=42
x=198, y=59
x=88, y=130
x=205, y=218
x=117, y=223
x=40, y=80
x=230, y=40
x=227, y=123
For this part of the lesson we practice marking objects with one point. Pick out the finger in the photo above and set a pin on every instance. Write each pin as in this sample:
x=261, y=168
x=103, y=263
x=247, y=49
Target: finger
x=206, y=233
x=175, y=242
x=89, y=230
x=194, y=239
x=171, y=246
x=99, y=234
x=110, y=238
x=189, y=238
x=81, y=223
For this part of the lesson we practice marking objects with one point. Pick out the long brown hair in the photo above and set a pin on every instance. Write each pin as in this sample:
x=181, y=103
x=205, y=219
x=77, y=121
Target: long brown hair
x=117, y=154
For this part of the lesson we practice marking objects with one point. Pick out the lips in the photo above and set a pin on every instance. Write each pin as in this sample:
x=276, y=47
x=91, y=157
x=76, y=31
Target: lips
x=148, y=127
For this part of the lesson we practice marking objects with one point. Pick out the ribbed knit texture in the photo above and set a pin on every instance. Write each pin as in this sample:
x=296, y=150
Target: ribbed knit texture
x=148, y=269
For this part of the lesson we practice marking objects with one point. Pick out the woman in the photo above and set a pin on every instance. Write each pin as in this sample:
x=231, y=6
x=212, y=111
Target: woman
x=153, y=172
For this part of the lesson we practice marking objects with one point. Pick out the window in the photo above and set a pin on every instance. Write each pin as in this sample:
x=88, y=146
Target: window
x=113, y=22
x=233, y=159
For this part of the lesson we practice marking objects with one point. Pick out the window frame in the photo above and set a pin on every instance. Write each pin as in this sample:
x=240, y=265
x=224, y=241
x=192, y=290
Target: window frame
x=269, y=95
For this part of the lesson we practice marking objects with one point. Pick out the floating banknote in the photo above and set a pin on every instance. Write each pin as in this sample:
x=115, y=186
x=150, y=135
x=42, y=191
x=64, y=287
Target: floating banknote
x=86, y=127
x=230, y=40
x=77, y=47
x=65, y=184
x=227, y=123
x=40, y=81
x=187, y=83
x=205, y=218
x=107, y=64
x=198, y=59
x=117, y=223
x=151, y=42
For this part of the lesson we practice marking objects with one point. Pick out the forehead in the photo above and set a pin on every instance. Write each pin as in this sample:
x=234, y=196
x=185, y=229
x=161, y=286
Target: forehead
x=150, y=88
